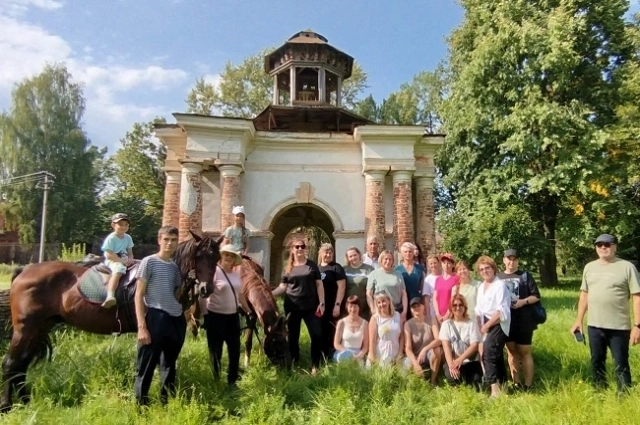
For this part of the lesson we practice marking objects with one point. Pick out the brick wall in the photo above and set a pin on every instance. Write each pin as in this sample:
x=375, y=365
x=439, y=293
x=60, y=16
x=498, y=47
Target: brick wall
x=402, y=208
x=171, y=208
x=374, y=205
x=425, y=215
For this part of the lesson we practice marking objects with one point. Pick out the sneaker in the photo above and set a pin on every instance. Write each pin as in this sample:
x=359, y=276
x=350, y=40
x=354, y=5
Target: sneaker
x=109, y=302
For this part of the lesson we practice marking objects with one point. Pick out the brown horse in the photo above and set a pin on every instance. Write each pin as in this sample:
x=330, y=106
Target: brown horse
x=264, y=308
x=45, y=294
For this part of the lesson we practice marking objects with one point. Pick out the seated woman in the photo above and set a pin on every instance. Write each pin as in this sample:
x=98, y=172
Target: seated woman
x=385, y=332
x=460, y=338
x=351, y=340
x=422, y=345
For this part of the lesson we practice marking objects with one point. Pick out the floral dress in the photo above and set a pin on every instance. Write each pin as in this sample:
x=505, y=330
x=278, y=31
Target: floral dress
x=388, y=346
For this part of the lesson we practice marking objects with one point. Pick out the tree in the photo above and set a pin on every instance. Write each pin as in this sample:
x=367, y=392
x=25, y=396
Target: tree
x=43, y=131
x=138, y=182
x=533, y=85
x=245, y=90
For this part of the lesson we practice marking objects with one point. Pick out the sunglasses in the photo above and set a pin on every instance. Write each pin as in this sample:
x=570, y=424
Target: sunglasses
x=457, y=305
x=604, y=245
x=299, y=246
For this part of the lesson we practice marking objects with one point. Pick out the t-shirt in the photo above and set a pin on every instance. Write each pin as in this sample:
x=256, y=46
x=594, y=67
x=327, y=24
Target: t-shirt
x=609, y=287
x=118, y=246
x=428, y=287
x=521, y=318
x=357, y=278
x=163, y=278
x=223, y=300
x=413, y=280
x=302, y=293
x=234, y=234
x=421, y=334
x=390, y=282
x=469, y=292
x=330, y=275
x=443, y=290
x=469, y=334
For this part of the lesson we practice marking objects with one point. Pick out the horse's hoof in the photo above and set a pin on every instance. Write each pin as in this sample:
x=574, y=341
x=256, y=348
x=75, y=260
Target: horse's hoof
x=4, y=408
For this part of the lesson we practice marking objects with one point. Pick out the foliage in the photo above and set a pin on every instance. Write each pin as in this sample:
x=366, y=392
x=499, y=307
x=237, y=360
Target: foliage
x=43, y=131
x=245, y=89
x=90, y=380
x=73, y=253
x=532, y=86
x=144, y=226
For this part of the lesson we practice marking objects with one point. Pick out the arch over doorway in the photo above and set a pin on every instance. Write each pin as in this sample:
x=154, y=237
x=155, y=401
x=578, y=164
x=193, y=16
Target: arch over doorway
x=291, y=217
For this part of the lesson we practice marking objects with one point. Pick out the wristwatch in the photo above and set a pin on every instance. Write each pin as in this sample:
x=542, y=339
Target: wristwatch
x=337, y=304
x=321, y=304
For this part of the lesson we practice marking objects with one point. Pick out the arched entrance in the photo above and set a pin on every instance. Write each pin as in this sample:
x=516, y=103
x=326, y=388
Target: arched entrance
x=307, y=219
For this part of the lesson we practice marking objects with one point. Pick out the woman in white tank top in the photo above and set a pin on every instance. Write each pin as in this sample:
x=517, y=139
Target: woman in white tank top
x=351, y=340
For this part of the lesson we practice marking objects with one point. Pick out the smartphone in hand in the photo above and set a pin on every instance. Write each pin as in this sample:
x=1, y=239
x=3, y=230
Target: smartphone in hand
x=578, y=336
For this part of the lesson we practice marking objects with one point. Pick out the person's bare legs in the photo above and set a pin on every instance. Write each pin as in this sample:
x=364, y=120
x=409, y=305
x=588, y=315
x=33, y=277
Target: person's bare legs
x=514, y=361
x=435, y=363
x=526, y=358
x=111, y=290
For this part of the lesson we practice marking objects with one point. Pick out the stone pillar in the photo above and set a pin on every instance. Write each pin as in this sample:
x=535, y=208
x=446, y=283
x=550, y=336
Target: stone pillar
x=231, y=191
x=374, y=205
x=171, y=208
x=425, y=215
x=190, y=200
x=402, y=208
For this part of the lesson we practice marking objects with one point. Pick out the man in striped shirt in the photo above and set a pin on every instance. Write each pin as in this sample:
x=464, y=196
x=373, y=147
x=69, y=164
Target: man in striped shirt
x=161, y=324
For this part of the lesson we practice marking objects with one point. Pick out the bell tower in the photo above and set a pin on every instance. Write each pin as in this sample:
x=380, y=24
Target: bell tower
x=307, y=71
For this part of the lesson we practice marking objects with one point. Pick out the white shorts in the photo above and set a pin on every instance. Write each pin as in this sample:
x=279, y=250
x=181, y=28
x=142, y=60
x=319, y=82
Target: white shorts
x=116, y=267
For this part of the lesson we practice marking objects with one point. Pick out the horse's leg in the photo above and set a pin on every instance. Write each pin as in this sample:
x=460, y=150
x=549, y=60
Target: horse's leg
x=248, y=339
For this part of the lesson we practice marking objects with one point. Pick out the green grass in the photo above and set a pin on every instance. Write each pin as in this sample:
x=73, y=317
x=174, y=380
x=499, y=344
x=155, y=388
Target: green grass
x=90, y=381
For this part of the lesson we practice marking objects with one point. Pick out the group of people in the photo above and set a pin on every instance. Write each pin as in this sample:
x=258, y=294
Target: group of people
x=423, y=315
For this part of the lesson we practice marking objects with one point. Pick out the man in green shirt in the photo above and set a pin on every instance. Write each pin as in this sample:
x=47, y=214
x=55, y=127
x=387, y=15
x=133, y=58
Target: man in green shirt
x=607, y=285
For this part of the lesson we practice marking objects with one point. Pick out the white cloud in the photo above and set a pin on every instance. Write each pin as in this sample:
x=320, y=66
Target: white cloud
x=213, y=79
x=108, y=86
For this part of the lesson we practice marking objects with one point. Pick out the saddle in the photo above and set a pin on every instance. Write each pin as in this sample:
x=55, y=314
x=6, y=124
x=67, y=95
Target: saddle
x=92, y=285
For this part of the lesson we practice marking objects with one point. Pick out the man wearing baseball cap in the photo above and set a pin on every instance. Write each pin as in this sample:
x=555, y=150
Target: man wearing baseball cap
x=607, y=285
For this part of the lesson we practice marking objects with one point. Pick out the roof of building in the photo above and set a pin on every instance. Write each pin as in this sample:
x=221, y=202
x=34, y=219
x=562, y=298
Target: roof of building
x=308, y=119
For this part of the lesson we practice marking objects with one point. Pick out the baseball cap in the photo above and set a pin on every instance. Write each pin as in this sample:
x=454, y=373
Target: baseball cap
x=237, y=210
x=511, y=253
x=119, y=217
x=447, y=256
x=414, y=301
x=606, y=238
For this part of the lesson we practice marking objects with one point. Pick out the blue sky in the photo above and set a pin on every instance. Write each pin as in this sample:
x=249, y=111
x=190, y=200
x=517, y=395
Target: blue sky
x=137, y=59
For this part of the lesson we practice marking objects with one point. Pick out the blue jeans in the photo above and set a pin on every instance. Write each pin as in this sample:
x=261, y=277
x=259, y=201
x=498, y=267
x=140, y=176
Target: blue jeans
x=618, y=343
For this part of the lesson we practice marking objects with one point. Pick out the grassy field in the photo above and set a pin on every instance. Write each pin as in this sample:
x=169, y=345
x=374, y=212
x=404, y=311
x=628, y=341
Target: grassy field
x=90, y=382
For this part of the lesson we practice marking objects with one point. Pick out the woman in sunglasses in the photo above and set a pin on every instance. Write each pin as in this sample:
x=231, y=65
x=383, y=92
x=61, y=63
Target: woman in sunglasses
x=460, y=338
x=493, y=313
x=304, y=301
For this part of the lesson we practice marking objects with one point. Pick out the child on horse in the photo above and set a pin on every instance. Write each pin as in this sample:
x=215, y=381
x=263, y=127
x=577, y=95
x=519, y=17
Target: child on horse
x=238, y=235
x=117, y=248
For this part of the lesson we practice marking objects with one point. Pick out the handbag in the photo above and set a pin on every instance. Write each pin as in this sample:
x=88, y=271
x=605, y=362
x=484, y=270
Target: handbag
x=538, y=312
x=461, y=346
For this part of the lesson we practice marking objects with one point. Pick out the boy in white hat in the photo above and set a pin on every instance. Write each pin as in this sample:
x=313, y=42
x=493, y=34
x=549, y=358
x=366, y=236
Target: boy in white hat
x=238, y=235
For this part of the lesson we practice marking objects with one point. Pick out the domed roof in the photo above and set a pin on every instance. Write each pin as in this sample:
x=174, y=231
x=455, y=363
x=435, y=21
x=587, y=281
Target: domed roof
x=306, y=37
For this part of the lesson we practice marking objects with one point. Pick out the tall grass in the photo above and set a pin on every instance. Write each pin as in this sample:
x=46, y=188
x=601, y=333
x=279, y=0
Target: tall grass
x=91, y=378
x=73, y=253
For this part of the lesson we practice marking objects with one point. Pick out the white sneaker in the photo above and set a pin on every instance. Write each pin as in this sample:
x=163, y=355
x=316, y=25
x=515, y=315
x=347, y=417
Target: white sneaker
x=109, y=302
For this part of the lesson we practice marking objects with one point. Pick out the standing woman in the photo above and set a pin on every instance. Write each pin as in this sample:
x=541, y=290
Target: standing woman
x=386, y=279
x=221, y=318
x=466, y=286
x=412, y=271
x=429, y=285
x=304, y=300
x=334, y=283
x=493, y=312
x=385, y=332
x=444, y=285
x=357, y=274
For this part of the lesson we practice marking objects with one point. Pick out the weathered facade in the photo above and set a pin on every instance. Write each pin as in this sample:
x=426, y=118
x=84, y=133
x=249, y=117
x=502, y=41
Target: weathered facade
x=302, y=161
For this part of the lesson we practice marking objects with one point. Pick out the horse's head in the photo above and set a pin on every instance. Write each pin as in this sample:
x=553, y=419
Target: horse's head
x=202, y=255
x=275, y=345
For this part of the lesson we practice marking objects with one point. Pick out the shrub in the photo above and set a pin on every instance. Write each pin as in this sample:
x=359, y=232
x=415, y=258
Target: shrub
x=75, y=252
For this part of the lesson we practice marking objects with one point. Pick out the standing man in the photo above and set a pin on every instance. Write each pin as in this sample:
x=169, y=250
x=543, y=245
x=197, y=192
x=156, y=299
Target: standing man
x=524, y=293
x=161, y=324
x=607, y=285
x=373, y=251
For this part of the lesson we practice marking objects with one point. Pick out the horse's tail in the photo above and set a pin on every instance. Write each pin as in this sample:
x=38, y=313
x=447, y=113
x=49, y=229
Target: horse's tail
x=16, y=272
x=44, y=350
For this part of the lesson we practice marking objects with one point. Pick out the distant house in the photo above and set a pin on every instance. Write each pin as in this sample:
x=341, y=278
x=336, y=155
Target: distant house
x=7, y=236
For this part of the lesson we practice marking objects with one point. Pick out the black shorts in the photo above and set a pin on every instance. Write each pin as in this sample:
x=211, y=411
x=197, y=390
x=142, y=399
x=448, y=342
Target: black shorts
x=520, y=337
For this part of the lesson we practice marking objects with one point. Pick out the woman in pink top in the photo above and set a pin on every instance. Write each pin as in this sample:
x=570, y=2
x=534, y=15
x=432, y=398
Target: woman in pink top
x=444, y=284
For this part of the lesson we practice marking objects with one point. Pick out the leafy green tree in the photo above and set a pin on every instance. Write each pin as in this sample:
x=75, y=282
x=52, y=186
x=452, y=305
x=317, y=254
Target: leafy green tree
x=245, y=89
x=533, y=85
x=43, y=131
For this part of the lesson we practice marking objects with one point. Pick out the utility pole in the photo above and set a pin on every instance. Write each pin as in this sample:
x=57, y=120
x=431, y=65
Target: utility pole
x=43, y=226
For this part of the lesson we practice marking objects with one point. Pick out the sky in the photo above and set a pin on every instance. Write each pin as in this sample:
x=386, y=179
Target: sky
x=137, y=59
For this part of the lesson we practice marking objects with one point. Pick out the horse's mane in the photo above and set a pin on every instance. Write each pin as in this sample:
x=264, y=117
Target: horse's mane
x=255, y=288
x=184, y=253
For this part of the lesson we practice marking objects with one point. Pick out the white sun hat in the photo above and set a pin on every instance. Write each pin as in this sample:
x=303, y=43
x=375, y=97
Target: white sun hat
x=237, y=210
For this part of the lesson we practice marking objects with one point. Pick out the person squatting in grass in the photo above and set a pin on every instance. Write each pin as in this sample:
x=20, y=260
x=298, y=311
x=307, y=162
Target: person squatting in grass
x=161, y=325
x=607, y=285
x=351, y=339
x=118, y=253
x=304, y=300
x=422, y=344
x=385, y=332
